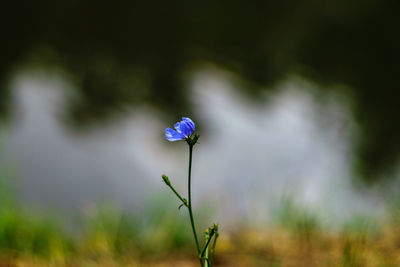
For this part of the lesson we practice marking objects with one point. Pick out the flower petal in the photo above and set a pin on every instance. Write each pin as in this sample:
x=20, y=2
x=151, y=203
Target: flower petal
x=189, y=122
x=173, y=135
x=185, y=128
x=177, y=127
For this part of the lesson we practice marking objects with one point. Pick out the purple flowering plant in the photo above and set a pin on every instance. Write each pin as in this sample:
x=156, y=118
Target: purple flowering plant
x=184, y=131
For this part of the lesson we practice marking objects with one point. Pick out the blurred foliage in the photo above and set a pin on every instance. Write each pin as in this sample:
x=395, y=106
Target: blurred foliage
x=124, y=53
x=361, y=225
x=110, y=237
x=296, y=218
x=21, y=234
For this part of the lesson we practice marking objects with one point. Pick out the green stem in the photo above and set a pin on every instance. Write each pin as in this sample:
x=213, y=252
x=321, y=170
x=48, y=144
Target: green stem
x=206, y=262
x=168, y=183
x=213, y=247
x=190, y=204
x=206, y=246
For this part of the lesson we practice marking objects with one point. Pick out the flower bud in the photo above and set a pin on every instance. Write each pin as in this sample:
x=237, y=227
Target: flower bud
x=166, y=180
x=192, y=140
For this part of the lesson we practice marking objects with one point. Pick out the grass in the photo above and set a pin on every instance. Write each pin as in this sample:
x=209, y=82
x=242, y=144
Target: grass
x=112, y=238
x=161, y=237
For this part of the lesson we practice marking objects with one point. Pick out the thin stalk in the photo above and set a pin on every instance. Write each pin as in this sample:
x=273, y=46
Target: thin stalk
x=190, y=204
x=168, y=183
x=206, y=262
x=206, y=246
x=213, y=247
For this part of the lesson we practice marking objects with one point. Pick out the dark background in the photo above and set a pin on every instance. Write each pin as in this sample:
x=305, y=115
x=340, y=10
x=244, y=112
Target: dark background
x=123, y=53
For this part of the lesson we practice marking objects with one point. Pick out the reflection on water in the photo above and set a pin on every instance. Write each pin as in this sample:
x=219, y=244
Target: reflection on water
x=249, y=157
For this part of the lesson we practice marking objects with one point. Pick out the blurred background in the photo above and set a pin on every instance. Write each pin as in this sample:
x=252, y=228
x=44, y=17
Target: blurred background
x=296, y=104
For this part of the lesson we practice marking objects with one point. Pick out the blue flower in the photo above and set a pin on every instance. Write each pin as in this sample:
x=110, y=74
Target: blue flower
x=184, y=129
